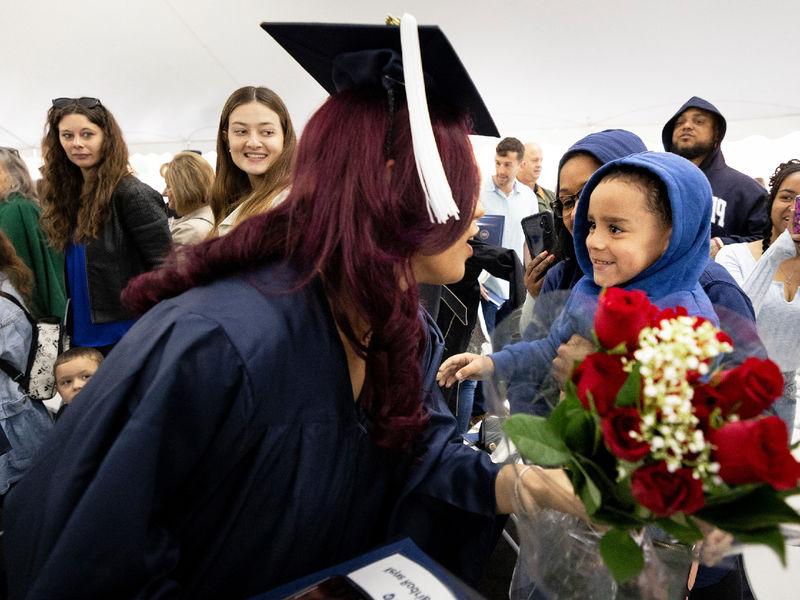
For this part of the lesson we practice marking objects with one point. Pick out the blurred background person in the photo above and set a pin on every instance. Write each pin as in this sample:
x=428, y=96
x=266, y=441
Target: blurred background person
x=189, y=180
x=110, y=225
x=23, y=424
x=768, y=270
x=529, y=172
x=19, y=220
x=255, y=151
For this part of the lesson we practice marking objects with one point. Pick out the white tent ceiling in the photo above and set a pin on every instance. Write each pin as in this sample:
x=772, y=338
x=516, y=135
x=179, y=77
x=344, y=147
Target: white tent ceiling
x=550, y=70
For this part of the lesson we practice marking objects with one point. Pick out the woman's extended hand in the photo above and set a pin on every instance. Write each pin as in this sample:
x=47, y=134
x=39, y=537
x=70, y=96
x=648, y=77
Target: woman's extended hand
x=535, y=270
x=464, y=366
x=528, y=488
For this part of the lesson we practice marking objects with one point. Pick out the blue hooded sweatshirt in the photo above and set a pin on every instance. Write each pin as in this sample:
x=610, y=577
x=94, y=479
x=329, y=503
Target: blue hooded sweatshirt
x=672, y=280
x=604, y=147
x=739, y=213
x=718, y=284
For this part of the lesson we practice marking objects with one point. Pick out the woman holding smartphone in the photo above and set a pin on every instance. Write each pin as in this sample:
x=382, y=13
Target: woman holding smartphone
x=768, y=270
x=110, y=225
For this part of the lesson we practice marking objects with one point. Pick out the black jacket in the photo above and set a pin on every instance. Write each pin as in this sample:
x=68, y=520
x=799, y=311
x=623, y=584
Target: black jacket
x=134, y=239
x=502, y=263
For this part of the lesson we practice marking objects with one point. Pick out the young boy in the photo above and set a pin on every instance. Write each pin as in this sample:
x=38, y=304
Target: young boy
x=642, y=222
x=73, y=369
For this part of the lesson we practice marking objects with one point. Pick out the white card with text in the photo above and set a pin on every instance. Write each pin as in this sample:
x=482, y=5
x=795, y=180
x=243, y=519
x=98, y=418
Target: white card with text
x=399, y=578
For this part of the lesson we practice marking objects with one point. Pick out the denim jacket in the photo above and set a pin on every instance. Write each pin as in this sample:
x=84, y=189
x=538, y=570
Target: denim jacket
x=24, y=424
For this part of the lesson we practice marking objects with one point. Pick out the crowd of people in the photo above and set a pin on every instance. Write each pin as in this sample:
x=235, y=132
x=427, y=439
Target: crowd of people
x=250, y=352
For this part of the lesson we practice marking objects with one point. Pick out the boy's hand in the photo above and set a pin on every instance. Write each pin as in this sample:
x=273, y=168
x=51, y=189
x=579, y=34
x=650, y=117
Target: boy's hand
x=464, y=366
x=575, y=350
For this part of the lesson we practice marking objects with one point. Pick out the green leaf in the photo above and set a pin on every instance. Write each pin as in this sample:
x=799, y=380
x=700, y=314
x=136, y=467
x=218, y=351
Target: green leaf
x=726, y=494
x=598, y=435
x=617, y=517
x=536, y=441
x=559, y=417
x=623, y=556
x=768, y=536
x=571, y=391
x=619, y=349
x=628, y=394
x=681, y=529
x=588, y=491
x=762, y=507
x=580, y=432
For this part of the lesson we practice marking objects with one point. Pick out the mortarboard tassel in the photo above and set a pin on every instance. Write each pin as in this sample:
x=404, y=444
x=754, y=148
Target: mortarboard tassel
x=438, y=194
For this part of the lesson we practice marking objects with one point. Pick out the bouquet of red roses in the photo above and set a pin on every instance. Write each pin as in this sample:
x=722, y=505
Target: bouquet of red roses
x=653, y=431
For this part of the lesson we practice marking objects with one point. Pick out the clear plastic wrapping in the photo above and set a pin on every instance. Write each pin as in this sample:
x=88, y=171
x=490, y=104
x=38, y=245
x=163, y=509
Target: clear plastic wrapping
x=560, y=559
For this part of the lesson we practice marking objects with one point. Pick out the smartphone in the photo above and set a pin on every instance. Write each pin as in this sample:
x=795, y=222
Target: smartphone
x=539, y=234
x=796, y=216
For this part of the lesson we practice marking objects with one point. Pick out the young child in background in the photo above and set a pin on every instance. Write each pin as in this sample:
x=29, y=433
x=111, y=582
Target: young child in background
x=73, y=369
x=642, y=222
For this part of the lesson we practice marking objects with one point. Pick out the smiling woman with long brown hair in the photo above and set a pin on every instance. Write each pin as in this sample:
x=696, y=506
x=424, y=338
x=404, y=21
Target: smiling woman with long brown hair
x=256, y=144
x=110, y=225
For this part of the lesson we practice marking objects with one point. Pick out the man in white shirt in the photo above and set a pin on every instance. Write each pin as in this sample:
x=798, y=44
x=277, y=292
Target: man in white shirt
x=504, y=196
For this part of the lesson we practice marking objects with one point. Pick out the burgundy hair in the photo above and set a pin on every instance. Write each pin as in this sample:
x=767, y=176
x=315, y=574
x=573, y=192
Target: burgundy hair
x=357, y=225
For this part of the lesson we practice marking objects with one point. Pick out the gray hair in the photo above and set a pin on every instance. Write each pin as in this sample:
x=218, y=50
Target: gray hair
x=18, y=175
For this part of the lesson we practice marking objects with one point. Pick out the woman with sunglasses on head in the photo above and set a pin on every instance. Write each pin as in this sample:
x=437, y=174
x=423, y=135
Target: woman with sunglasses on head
x=255, y=150
x=19, y=219
x=110, y=225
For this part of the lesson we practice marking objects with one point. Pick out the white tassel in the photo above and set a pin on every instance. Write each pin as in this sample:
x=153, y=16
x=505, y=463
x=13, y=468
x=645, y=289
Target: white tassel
x=438, y=194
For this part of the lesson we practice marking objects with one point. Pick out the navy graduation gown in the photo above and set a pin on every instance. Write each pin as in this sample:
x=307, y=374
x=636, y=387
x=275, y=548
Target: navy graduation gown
x=218, y=452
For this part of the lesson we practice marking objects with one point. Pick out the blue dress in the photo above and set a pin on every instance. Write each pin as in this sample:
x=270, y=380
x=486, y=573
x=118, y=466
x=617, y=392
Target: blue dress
x=84, y=331
x=218, y=452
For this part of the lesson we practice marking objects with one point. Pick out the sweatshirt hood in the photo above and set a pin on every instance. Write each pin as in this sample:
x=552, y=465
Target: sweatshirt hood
x=679, y=268
x=693, y=102
x=605, y=146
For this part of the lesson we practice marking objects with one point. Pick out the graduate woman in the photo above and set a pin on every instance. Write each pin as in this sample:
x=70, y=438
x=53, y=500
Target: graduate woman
x=110, y=225
x=274, y=411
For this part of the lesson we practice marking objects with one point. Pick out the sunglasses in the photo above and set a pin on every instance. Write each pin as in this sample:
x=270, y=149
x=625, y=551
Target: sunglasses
x=83, y=101
x=13, y=151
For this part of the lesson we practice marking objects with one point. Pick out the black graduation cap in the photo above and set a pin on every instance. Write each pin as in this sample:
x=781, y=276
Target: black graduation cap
x=341, y=55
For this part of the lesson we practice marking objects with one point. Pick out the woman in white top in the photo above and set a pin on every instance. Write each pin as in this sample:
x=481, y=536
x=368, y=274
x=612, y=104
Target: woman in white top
x=189, y=180
x=255, y=152
x=768, y=271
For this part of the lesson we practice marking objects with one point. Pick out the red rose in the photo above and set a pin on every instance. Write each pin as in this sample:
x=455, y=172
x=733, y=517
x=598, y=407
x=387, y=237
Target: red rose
x=617, y=427
x=754, y=451
x=621, y=315
x=724, y=337
x=665, y=493
x=752, y=387
x=600, y=375
x=705, y=399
